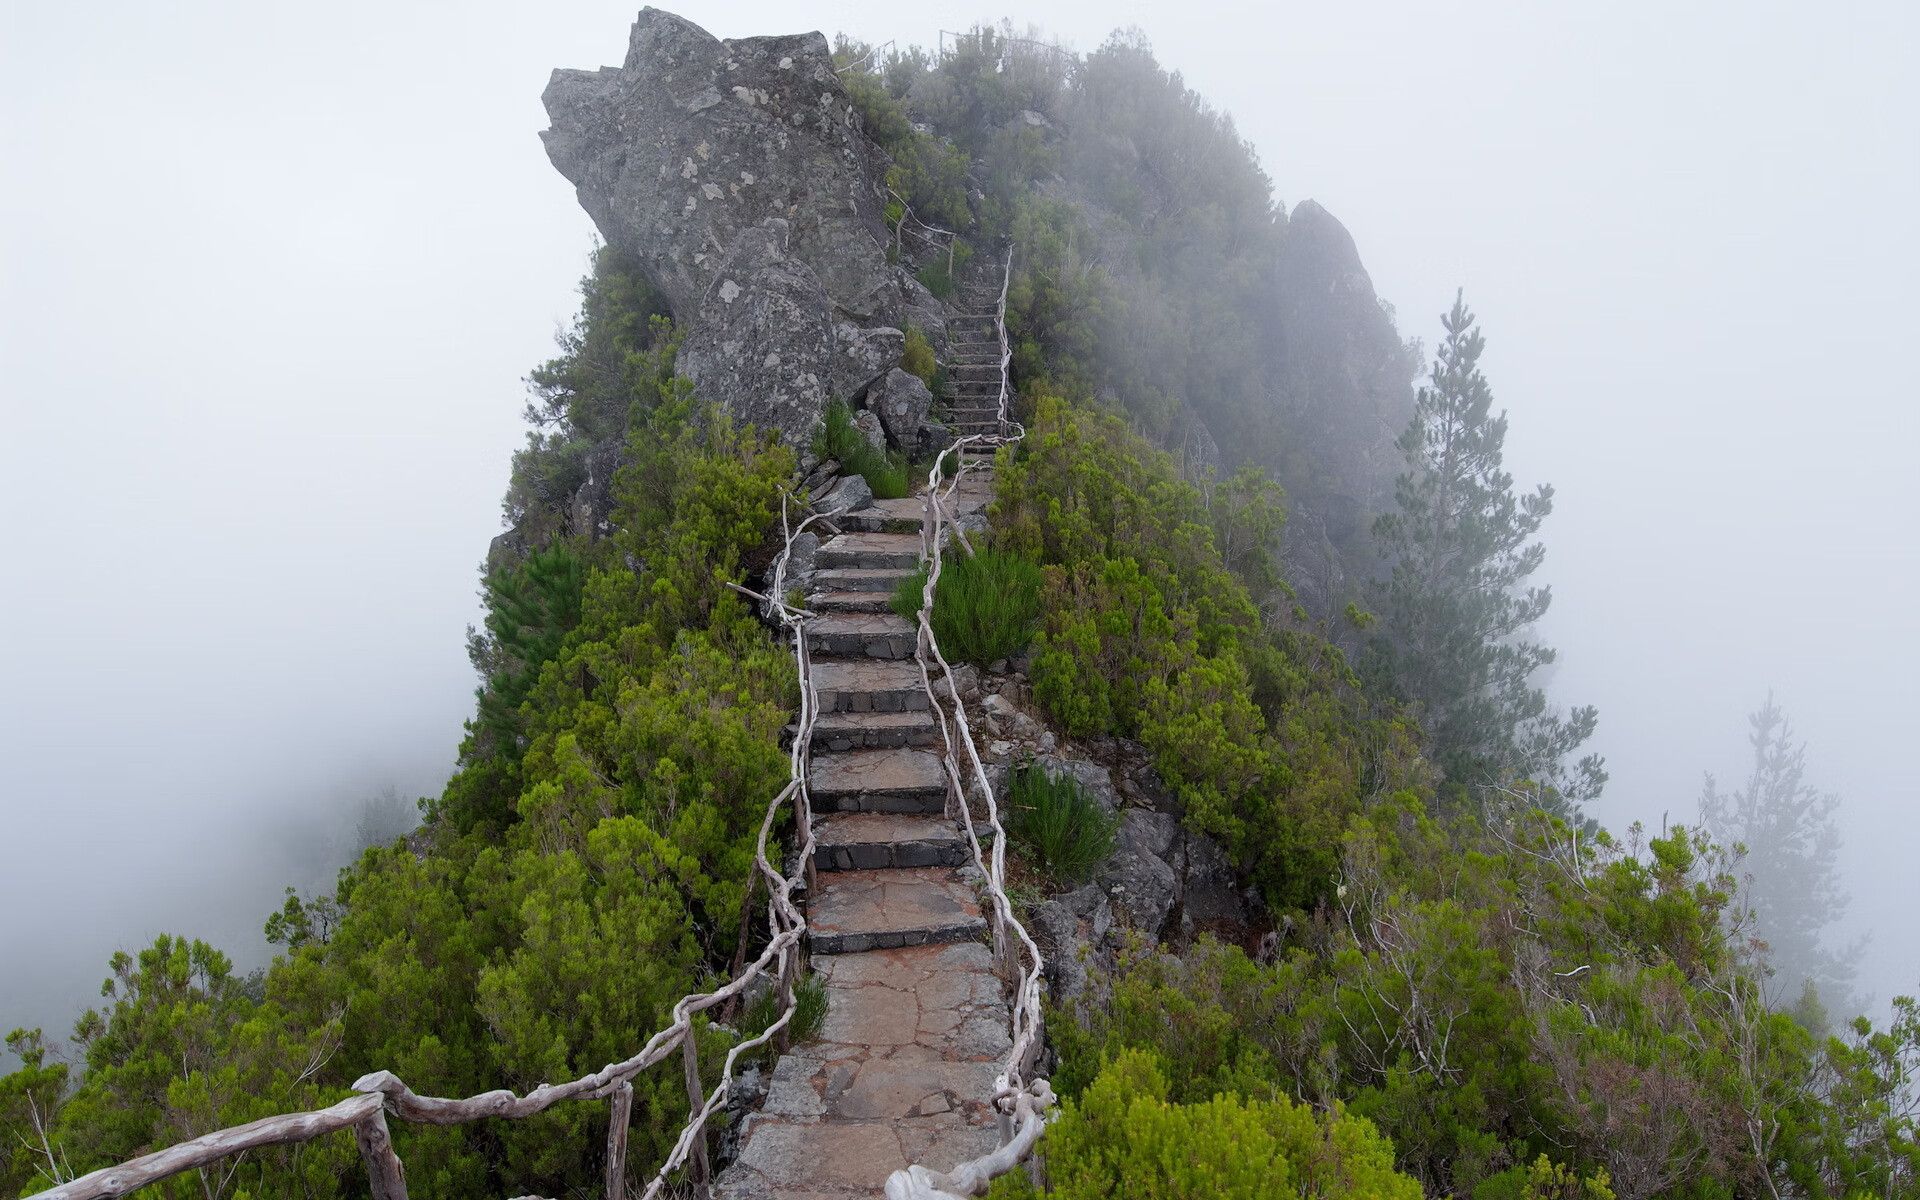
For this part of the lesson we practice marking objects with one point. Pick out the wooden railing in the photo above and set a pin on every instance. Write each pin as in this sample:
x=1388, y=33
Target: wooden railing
x=1021, y=1099
x=382, y=1092
x=931, y=235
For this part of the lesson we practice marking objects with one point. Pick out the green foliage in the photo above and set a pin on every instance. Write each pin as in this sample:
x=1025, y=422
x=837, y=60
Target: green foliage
x=840, y=439
x=1457, y=608
x=985, y=608
x=918, y=357
x=1125, y=1137
x=1257, y=725
x=30, y=1099
x=1058, y=823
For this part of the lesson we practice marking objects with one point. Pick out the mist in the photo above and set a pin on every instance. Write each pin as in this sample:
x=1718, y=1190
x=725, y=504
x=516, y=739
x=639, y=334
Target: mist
x=269, y=285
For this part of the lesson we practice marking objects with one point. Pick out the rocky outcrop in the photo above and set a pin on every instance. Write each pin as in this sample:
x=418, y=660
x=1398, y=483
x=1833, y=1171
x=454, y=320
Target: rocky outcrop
x=1342, y=369
x=737, y=176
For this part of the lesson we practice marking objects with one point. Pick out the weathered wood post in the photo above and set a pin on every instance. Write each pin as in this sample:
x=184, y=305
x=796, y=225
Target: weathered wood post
x=698, y=1169
x=617, y=1142
x=386, y=1178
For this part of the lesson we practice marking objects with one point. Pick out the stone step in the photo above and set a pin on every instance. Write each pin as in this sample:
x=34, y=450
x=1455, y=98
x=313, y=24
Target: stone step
x=854, y=911
x=860, y=579
x=874, y=635
x=870, y=602
x=869, y=685
x=870, y=551
x=885, y=516
x=874, y=841
x=844, y=731
x=901, y=780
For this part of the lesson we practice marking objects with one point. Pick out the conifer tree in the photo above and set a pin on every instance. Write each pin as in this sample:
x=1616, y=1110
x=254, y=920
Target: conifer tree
x=1790, y=864
x=1458, y=606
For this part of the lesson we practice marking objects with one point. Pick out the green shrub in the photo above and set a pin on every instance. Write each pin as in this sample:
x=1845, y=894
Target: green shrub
x=840, y=439
x=1059, y=823
x=985, y=609
x=1125, y=1138
x=918, y=357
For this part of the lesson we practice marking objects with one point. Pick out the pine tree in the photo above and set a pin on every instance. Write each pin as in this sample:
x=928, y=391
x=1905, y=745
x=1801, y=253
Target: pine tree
x=1457, y=606
x=1791, y=862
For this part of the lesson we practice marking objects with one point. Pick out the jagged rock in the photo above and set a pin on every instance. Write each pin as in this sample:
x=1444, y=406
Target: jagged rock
x=693, y=140
x=1142, y=887
x=762, y=342
x=1091, y=775
x=902, y=401
x=818, y=478
x=1072, y=931
x=688, y=150
x=592, y=507
x=850, y=493
x=1145, y=832
x=862, y=356
x=868, y=423
x=1343, y=374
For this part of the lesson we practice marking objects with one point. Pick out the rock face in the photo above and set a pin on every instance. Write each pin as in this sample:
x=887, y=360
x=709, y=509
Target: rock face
x=736, y=174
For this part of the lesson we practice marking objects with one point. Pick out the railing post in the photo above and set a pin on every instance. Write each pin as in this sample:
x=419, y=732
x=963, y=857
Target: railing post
x=698, y=1170
x=386, y=1178
x=617, y=1142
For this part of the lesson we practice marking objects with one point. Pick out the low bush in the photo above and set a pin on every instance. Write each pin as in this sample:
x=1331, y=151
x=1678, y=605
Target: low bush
x=1123, y=1137
x=917, y=358
x=1059, y=824
x=986, y=607
x=840, y=439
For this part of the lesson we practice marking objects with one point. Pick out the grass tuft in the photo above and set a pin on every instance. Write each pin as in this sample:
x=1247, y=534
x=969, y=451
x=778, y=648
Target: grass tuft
x=840, y=439
x=986, y=607
x=1059, y=824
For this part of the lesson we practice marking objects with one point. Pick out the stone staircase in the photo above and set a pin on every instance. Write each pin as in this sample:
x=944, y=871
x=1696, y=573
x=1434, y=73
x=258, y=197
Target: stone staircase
x=903, y=1068
x=973, y=362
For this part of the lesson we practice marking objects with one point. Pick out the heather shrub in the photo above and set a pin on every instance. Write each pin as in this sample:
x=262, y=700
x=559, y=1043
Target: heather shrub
x=1058, y=823
x=985, y=608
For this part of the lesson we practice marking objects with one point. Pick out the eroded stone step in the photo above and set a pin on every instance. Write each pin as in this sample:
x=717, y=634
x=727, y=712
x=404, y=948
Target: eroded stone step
x=853, y=911
x=902, y=780
x=873, y=731
x=870, y=551
x=868, y=602
x=874, y=841
x=875, y=635
x=901, y=1072
x=869, y=685
x=860, y=579
x=885, y=516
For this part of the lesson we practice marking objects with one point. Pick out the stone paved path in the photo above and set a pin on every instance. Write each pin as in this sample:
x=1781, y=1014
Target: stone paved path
x=916, y=1025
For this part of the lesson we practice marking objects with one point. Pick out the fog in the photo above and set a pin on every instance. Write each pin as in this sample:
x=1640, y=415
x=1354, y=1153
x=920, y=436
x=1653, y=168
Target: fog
x=271, y=277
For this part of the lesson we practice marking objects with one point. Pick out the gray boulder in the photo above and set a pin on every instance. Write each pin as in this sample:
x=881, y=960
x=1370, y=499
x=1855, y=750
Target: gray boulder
x=862, y=356
x=1072, y=930
x=902, y=401
x=868, y=423
x=1143, y=889
x=1091, y=775
x=762, y=341
x=850, y=493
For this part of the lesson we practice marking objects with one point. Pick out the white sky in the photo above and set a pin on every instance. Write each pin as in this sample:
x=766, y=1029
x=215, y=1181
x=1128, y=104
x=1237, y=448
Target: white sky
x=270, y=276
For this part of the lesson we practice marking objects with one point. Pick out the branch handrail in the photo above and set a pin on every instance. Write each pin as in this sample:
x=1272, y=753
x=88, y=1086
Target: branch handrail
x=926, y=233
x=382, y=1091
x=1023, y=1103
x=864, y=59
